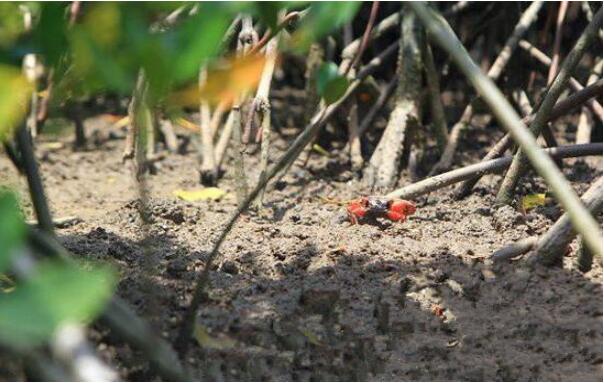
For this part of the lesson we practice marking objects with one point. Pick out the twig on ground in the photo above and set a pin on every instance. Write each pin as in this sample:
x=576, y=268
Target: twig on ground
x=481, y=168
x=515, y=249
x=563, y=107
x=552, y=245
x=580, y=217
x=521, y=163
x=524, y=23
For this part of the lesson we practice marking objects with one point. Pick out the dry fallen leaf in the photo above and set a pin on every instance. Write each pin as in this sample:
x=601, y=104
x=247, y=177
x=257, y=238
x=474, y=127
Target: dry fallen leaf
x=532, y=201
x=225, y=83
x=211, y=193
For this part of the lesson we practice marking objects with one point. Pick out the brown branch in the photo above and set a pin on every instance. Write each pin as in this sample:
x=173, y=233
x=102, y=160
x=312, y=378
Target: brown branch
x=524, y=23
x=594, y=105
x=521, y=163
x=481, y=168
x=359, y=53
x=553, y=69
x=562, y=108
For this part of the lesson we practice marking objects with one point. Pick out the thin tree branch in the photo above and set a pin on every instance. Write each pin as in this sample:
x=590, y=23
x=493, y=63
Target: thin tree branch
x=594, y=105
x=553, y=69
x=441, y=32
x=481, y=168
x=34, y=181
x=562, y=108
x=552, y=245
x=524, y=23
x=520, y=163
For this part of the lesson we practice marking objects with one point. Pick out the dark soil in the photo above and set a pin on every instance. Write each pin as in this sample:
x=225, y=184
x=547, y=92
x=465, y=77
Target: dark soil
x=298, y=294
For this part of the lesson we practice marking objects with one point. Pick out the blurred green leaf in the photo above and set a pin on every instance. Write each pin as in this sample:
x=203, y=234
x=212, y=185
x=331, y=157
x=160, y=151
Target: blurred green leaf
x=323, y=17
x=330, y=84
x=12, y=227
x=50, y=33
x=268, y=12
x=11, y=23
x=15, y=92
x=57, y=294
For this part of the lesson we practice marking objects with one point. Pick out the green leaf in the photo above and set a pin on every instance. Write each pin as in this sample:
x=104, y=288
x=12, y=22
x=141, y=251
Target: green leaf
x=50, y=33
x=56, y=295
x=323, y=17
x=11, y=23
x=12, y=227
x=330, y=84
x=15, y=92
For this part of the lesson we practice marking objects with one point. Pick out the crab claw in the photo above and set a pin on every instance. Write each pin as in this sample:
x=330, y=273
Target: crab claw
x=400, y=209
x=357, y=209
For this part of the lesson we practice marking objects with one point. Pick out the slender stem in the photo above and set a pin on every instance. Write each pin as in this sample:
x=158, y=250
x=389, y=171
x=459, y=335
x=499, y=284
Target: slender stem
x=562, y=108
x=208, y=172
x=553, y=69
x=481, y=168
x=524, y=23
x=437, y=112
x=594, y=105
x=359, y=53
x=441, y=32
x=520, y=163
x=36, y=187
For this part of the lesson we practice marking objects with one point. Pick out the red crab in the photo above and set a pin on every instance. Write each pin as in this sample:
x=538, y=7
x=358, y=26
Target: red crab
x=379, y=207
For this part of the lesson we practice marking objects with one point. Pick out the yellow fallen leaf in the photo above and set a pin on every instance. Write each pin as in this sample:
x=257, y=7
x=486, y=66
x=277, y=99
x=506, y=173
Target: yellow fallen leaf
x=311, y=337
x=187, y=124
x=225, y=83
x=122, y=122
x=53, y=145
x=531, y=201
x=205, y=340
x=199, y=194
x=317, y=148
